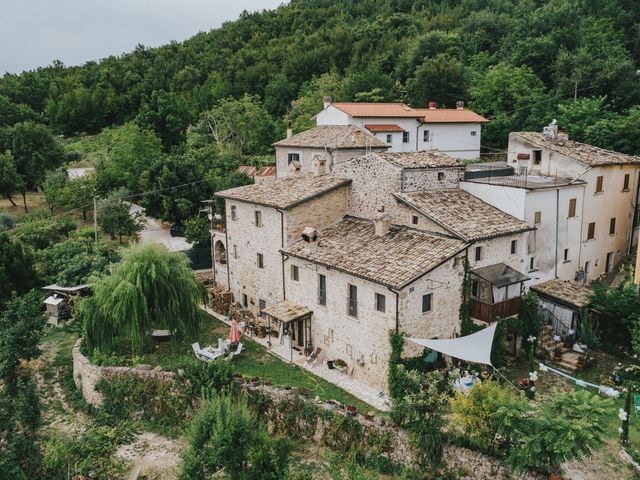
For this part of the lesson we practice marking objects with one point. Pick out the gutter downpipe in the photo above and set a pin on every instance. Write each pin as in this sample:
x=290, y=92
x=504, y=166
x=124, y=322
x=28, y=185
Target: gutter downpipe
x=284, y=288
x=397, y=309
x=226, y=237
x=420, y=123
x=634, y=216
x=555, y=273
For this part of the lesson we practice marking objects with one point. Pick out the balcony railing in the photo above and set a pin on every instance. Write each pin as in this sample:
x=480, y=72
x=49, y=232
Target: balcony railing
x=488, y=312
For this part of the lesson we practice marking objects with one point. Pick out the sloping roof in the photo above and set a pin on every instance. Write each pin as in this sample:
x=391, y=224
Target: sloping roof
x=394, y=260
x=464, y=215
x=286, y=311
x=379, y=127
x=334, y=137
x=57, y=288
x=248, y=169
x=449, y=115
x=582, y=152
x=421, y=159
x=362, y=109
x=500, y=275
x=285, y=192
x=572, y=294
x=267, y=171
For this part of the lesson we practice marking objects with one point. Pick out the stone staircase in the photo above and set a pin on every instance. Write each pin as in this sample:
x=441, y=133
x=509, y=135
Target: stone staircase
x=568, y=358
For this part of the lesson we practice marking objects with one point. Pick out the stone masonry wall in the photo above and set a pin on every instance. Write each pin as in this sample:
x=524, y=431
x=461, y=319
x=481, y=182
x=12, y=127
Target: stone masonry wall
x=86, y=375
x=416, y=180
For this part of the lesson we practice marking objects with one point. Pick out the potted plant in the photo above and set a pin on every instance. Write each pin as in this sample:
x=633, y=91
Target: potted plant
x=557, y=354
x=330, y=404
x=302, y=392
x=352, y=410
x=262, y=331
x=288, y=388
x=268, y=383
x=340, y=364
x=369, y=415
x=255, y=381
x=238, y=378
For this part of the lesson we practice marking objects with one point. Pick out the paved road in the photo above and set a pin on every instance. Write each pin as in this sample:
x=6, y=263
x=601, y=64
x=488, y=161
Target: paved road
x=154, y=233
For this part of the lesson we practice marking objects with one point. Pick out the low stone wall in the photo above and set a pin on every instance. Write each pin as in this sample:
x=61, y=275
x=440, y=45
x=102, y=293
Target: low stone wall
x=86, y=375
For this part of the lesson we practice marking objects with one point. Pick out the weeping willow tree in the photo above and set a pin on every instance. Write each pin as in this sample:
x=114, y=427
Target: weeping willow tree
x=151, y=288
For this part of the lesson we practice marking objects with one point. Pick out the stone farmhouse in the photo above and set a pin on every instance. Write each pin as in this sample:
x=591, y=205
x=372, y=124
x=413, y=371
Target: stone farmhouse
x=454, y=131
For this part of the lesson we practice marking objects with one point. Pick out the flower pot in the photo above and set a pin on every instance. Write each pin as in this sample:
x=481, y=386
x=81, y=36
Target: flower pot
x=352, y=411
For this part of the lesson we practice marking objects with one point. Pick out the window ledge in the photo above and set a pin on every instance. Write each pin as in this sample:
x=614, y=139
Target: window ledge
x=566, y=261
x=598, y=193
x=624, y=190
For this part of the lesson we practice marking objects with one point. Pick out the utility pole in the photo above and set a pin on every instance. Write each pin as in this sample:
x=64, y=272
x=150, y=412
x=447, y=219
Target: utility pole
x=95, y=219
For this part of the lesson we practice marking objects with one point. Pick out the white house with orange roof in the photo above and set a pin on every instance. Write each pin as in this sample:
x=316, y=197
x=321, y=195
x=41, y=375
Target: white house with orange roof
x=454, y=131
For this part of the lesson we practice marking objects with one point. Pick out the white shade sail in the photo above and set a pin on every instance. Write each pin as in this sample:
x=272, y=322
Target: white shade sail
x=475, y=348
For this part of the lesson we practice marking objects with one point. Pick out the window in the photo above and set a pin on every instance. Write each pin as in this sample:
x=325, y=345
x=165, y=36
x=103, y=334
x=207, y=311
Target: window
x=293, y=157
x=566, y=255
x=625, y=186
x=414, y=220
x=262, y=304
x=587, y=264
x=532, y=264
x=425, y=135
x=295, y=273
x=599, y=180
x=591, y=231
x=380, y=302
x=612, y=226
x=572, y=208
x=322, y=290
x=426, y=302
x=260, y=260
x=537, y=218
x=245, y=300
x=235, y=251
x=514, y=246
x=258, y=218
x=478, y=254
x=475, y=288
x=440, y=176
x=405, y=137
x=389, y=138
x=352, y=308
x=234, y=213
x=537, y=157
x=609, y=263
x=473, y=133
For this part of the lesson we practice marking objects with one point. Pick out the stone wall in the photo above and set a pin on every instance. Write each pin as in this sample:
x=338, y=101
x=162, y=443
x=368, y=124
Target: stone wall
x=417, y=180
x=86, y=375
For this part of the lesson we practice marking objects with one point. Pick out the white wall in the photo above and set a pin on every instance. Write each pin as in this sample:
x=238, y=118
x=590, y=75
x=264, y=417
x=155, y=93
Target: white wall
x=332, y=116
x=508, y=199
x=454, y=139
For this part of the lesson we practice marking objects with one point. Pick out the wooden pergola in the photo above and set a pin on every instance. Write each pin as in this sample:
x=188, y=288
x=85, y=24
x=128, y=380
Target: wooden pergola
x=287, y=312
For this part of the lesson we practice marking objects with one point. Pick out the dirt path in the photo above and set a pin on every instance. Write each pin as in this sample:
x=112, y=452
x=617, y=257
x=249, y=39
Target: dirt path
x=153, y=456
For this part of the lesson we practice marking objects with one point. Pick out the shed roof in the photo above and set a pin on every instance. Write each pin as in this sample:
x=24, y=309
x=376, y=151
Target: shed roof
x=267, y=171
x=582, y=152
x=379, y=127
x=333, y=137
x=285, y=192
x=572, y=294
x=394, y=260
x=247, y=169
x=464, y=215
x=286, y=311
x=500, y=275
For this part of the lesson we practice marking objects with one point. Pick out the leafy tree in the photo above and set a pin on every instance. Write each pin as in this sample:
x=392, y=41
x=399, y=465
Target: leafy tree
x=441, y=78
x=618, y=309
x=35, y=150
x=71, y=262
x=41, y=231
x=618, y=132
x=54, y=188
x=151, y=288
x=16, y=268
x=309, y=102
x=10, y=180
x=225, y=436
x=578, y=117
x=7, y=222
x=79, y=193
x=197, y=231
x=167, y=114
x=115, y=216
x=12, y=113
x=21, y=323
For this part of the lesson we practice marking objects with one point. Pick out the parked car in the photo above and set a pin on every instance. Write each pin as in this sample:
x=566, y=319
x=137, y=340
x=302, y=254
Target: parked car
x=177, y=230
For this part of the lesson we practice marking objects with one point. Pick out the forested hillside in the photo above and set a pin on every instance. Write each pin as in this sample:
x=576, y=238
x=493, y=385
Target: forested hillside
x=518, y=62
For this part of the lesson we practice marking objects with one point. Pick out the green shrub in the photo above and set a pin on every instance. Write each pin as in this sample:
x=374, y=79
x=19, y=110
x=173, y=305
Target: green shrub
x=207, y=376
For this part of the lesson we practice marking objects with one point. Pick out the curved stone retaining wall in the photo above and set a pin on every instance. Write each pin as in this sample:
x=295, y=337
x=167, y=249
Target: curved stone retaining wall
x=86, y=375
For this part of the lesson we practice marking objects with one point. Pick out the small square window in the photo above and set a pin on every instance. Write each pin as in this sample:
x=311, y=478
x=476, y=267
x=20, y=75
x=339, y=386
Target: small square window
x=426, y=136
x=478, y=255
x=440, y=176
x=473, y=133
x=599, y=184
x=258, y=218
x=260, y=260
x=405, y=137
x=591, y=231
x=426, y=302
x=514, y=246
x=234, y=213
x=295, y=273
x=537, y=218
x=389, y=138
x=414, y=220
x=380, y=302
x=293, y=157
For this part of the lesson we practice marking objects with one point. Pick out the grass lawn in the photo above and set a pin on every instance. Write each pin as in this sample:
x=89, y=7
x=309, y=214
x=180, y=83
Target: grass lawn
x=255, y=360
x=35, y=201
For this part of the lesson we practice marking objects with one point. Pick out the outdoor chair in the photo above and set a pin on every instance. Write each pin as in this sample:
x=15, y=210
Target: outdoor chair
x=205, y=355
x=636, y=403
x=236, y=352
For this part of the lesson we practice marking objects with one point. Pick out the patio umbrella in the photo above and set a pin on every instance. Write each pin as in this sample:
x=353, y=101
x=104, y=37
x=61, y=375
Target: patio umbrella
x=234, y=334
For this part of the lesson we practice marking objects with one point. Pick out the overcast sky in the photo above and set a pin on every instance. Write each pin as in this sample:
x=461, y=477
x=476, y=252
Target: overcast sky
x=33, y=33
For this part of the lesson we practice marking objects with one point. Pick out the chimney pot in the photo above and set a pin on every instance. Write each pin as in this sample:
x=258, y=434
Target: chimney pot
x=326, y=100
x=381, y=222
x=460, y=105
x=318, y=164
x=433, y=105
x=289, y=132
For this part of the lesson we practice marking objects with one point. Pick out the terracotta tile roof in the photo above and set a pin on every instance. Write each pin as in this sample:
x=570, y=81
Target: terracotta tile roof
x=393, y=260
x=421, y=159
x=464, y=215
x=333, y=136
x=285, y=192
x=582, y=152
x=267, y=171
x=379, y=127
x=248, y=169
x=449, y=115
x=361, y=109
x=571, y=294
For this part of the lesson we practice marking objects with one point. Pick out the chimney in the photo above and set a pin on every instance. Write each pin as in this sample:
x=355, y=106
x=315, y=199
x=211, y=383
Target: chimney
x=381, y=223
x=318, y=164
x=326, y=100
x=294, y=168
x=562, y=136
x=433, y=105
x=459, y=105
x=310, y=235
x=289, y=131
x=551, y=130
